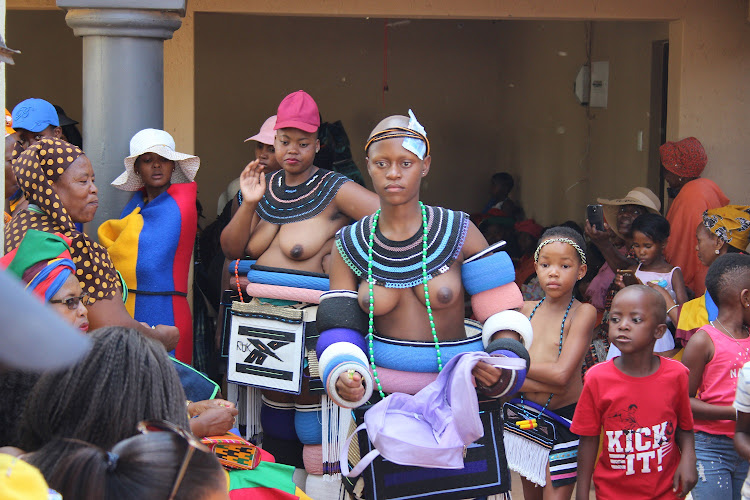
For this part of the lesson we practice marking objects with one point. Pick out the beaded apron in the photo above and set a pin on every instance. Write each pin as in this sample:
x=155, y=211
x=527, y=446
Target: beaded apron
x=398, y=264
x=282, y=204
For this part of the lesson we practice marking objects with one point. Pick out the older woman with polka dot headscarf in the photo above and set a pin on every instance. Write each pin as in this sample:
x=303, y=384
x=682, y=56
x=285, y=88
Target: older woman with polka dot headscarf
x=58, y=180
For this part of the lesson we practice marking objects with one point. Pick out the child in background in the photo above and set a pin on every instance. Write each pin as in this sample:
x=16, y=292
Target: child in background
x=562, y=332
x=650, y=235
x=715, y=355
x=641, y=424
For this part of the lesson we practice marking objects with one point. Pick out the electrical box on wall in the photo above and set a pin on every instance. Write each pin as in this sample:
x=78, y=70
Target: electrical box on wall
x=592, y=84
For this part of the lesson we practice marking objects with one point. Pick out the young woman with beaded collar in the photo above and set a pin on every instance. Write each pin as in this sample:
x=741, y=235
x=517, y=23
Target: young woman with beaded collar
x=412, y=254
x=395, y=313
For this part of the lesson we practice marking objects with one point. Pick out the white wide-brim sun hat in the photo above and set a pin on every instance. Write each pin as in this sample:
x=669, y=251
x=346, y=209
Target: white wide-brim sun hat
x=151, y=140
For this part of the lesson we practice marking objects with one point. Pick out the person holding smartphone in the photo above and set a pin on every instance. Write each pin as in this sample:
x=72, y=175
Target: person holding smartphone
x=619, y=215
x=615, y=243
x=615, y=240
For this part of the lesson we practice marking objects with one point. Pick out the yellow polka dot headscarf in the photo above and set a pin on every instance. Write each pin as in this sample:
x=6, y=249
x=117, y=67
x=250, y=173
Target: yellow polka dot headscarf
x=36, y=169
x=731, y=224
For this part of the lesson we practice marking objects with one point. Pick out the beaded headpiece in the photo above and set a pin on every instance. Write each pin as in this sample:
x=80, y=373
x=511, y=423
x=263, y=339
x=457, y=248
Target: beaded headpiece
x=570, y=242
x=415, y=138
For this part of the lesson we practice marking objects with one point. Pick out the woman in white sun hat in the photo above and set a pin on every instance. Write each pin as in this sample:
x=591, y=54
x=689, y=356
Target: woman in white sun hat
x=152, y=242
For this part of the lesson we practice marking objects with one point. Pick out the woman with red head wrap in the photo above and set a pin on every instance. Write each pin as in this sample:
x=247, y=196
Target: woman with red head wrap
x=682, y=164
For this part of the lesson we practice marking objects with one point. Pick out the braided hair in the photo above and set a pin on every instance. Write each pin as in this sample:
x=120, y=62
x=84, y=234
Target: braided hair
x=125, y=378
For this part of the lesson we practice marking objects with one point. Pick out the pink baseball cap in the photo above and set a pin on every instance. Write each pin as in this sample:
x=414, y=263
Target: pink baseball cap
x=298, y=110
x=267, y=133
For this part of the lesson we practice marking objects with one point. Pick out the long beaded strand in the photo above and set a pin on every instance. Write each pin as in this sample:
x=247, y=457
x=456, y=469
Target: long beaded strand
x=531, y=422
x=371, y=283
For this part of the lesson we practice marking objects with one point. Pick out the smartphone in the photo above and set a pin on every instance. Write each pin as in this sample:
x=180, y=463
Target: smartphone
x=595, y=216
x=628, y=277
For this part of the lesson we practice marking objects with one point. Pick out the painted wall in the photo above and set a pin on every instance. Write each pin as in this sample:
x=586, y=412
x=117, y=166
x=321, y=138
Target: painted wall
x=615, y=165
x=49, y=67
x=340, y=63
x=714, y=91
x=493, y=96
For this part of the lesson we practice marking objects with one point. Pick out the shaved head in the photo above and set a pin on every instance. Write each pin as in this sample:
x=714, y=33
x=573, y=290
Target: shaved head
x=649, y=296
x=390, y=122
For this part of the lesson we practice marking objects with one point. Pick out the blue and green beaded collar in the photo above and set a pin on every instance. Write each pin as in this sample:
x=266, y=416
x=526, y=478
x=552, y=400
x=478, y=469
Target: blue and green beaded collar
x=398, y=264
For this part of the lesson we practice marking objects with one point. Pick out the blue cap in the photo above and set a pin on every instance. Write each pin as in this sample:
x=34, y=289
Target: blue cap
x=34, y=115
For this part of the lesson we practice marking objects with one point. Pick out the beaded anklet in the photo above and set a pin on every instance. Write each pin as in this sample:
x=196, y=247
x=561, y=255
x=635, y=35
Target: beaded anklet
x=371, y=283
x=530, y=422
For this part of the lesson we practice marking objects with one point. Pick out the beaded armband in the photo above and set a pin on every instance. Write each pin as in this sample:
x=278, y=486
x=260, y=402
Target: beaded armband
x=341, y=346
x=340, y=309
x=487, y=273
x=508, y=320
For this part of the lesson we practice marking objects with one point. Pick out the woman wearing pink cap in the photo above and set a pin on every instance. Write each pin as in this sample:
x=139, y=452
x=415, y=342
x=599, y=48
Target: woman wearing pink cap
x=287, y=221
x=288, y=218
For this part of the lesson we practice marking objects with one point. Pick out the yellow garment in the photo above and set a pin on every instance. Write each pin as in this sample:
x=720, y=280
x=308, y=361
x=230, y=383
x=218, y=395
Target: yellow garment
x=120, y=238
x=21, y=481
x=730, y=223
x=693, y=314
x=301, y=494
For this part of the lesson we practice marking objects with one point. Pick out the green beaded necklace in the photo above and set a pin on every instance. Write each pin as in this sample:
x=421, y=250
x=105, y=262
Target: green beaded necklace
x=371, y=283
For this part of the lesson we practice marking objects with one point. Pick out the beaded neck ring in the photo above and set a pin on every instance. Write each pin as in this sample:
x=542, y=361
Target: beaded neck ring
x=531, y=422
x=371, y=283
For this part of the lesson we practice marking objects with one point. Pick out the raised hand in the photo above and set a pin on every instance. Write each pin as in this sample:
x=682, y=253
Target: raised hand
x=253, y=182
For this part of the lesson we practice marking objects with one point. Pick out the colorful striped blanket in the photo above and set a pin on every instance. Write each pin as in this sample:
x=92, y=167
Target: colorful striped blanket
x=269, y=481
x=151, y=245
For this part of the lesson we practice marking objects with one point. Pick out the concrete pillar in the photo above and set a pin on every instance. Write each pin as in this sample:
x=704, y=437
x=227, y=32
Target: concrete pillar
x=123, y=81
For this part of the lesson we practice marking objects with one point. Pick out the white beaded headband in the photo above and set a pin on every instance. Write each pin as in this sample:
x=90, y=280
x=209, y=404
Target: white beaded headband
x=570, y=242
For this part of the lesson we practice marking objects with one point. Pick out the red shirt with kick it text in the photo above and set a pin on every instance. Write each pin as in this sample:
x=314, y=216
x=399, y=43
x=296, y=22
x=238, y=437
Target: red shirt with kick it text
x=640, y=416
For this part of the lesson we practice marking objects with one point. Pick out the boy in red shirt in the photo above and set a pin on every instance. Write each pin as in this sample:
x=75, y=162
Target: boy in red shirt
x=641, y=402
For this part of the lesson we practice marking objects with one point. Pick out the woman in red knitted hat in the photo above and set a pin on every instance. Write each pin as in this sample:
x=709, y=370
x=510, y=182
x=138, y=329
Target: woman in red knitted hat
x=682, y=164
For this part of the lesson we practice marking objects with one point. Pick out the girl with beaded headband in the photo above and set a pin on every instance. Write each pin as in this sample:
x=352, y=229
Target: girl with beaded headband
x=398, y=272
x=562, y=332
